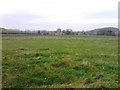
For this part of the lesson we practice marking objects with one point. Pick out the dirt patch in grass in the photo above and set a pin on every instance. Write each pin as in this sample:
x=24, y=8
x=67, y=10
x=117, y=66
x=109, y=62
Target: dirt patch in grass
x=60, y=64
x=85, y=65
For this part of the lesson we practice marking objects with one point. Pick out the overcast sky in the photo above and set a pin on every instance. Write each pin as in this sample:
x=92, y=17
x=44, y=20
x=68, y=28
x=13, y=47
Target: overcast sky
x=53, y=14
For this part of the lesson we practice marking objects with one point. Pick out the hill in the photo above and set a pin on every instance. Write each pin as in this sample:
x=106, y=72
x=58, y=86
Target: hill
x=110, y=31
x=13, y=31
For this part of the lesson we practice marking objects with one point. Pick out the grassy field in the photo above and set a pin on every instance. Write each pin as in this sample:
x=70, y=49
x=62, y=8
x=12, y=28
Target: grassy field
x=60, y=61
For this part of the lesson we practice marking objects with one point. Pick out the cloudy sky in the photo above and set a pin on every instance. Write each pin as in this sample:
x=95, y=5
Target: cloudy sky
x=53, y=14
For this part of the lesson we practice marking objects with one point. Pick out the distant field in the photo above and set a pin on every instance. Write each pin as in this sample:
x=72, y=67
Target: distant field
x=60, y=61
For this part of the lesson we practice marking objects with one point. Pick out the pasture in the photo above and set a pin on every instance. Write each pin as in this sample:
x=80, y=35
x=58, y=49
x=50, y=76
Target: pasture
x=60, y=61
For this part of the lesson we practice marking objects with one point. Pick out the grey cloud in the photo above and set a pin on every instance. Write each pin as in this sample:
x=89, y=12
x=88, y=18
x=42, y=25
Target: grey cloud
x=20, y=20
x=24, y=17
x=108, y=14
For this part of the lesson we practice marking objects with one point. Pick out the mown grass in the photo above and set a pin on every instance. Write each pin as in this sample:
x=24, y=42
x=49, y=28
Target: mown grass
x=60, y=61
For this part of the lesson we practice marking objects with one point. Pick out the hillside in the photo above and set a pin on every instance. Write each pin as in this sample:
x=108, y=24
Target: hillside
x=13, y=31
x=111, y=31
x=10, y=31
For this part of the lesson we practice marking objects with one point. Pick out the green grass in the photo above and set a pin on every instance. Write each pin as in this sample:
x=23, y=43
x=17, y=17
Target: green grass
x=60, y=61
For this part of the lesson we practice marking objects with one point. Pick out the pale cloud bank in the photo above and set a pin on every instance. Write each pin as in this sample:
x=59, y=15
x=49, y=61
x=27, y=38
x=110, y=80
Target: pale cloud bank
x=53, y=14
